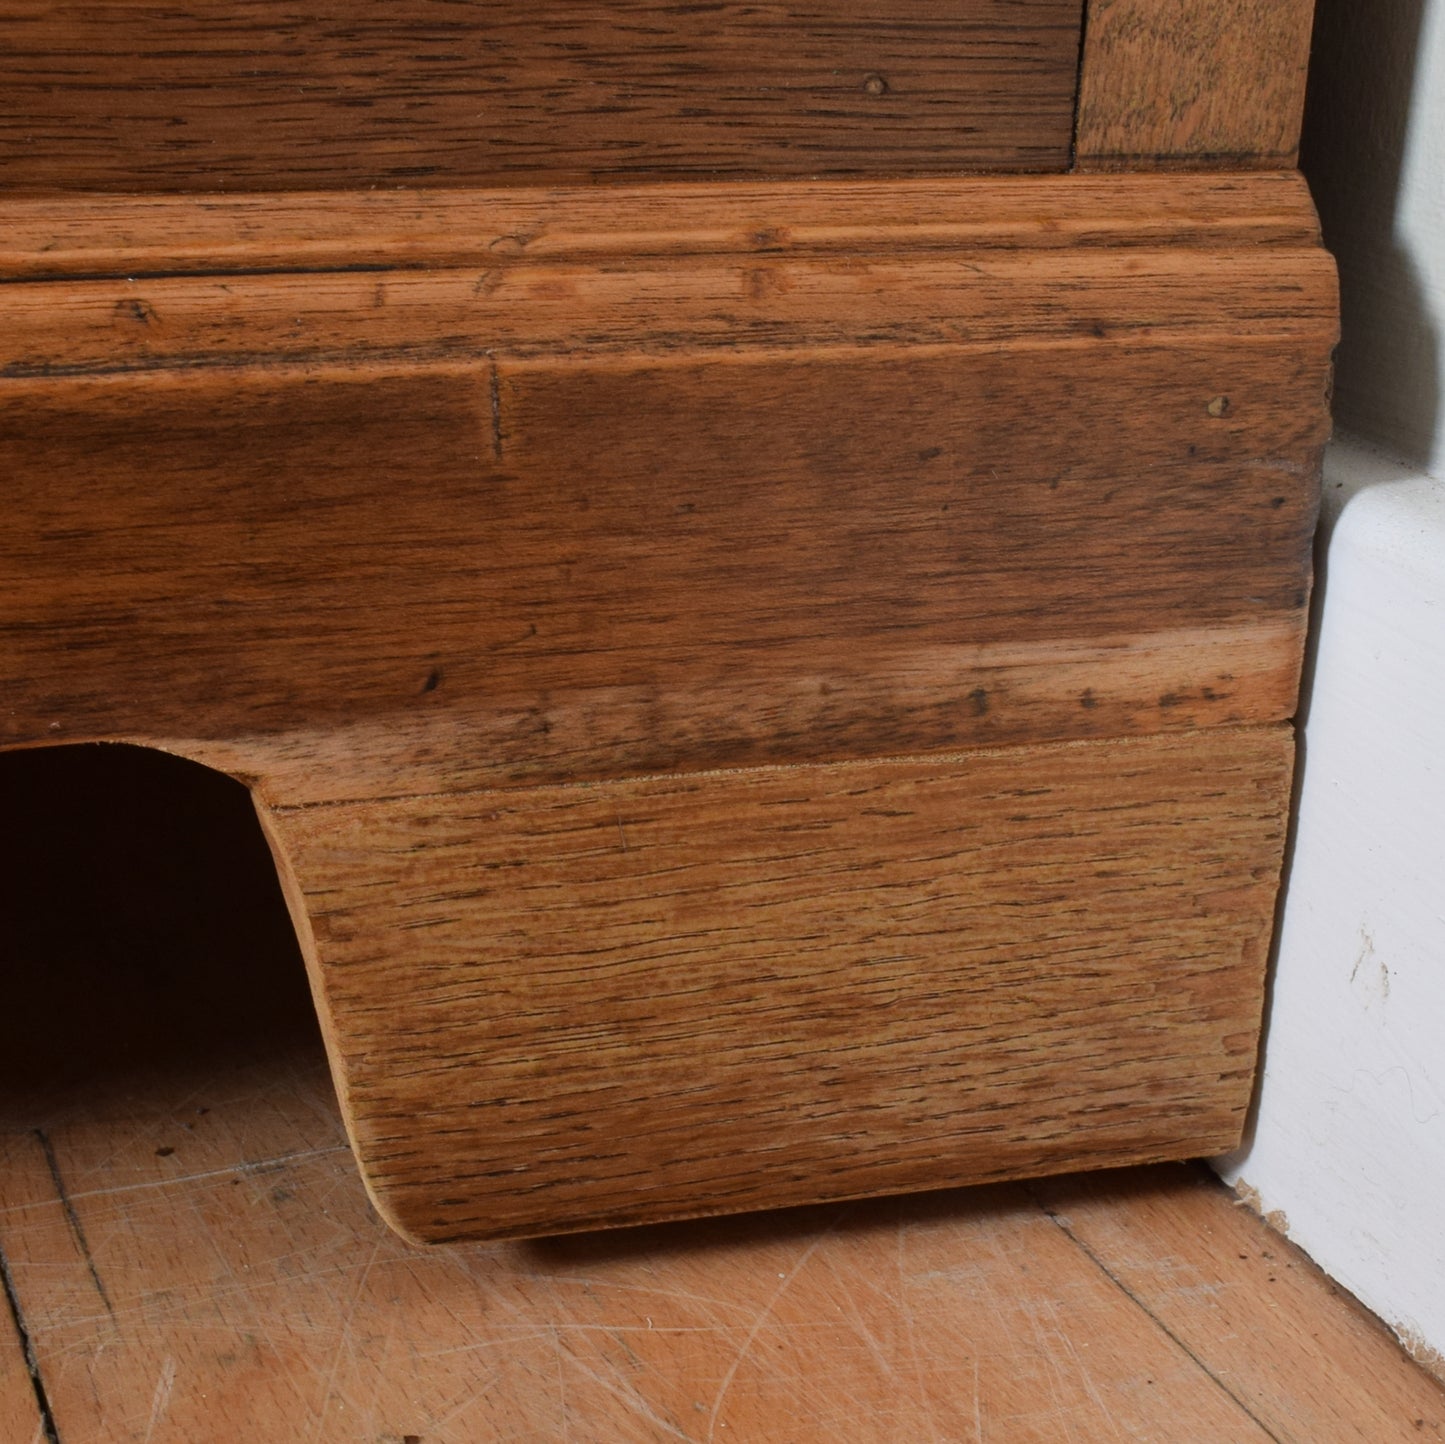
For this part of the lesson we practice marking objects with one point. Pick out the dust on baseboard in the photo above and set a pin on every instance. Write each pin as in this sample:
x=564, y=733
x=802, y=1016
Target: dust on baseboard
x=1424, y=1353
x=1411, y=1339
x=1249, y=1198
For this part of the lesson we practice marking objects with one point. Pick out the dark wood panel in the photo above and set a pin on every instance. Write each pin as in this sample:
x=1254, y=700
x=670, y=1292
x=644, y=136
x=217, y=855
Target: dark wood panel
x=654, y=566
x=213, y=97
x=572, y=1007
x=1192, y=83
x=669, y=511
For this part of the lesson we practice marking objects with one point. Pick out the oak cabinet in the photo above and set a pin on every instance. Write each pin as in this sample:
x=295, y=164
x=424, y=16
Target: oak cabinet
x=755, y=559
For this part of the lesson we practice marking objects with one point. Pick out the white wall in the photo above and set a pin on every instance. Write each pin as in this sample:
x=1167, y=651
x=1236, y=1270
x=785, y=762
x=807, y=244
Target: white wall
x=1349, y=1134
x=1349, y=1138
x=1374, y=151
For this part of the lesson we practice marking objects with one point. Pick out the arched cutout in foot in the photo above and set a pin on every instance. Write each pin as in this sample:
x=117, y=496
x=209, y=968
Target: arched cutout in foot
x=144, y=924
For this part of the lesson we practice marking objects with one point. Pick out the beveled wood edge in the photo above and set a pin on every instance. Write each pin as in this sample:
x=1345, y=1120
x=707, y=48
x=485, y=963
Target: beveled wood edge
x=292, y=891
x=57, y=238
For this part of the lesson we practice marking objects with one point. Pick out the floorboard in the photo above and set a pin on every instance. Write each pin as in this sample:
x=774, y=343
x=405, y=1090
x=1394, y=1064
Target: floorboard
x=1301, y=1356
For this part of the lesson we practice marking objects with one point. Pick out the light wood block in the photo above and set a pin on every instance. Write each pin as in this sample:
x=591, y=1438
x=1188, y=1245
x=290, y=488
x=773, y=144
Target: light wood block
x=574, y=1007
x=1192, y=83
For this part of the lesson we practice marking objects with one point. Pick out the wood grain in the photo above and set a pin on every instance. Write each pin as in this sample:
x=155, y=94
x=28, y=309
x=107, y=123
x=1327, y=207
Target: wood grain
x=606, y=599
x=254, y=1293
x=205, y=97
x=587, y=1006
x=869, y=509
x=867, y=299
x=1192, y=82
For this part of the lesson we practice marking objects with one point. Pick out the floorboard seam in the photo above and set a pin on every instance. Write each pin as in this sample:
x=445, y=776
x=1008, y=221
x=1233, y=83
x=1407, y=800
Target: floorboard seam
x=27, y=1348
x=73, y=1219
x=1058, y=1221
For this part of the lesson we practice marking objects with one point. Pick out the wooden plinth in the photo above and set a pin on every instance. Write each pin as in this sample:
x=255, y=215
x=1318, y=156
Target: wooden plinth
x=757, y=696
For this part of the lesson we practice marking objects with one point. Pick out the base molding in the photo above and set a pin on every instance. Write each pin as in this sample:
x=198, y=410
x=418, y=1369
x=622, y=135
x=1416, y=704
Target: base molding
x=868, y=615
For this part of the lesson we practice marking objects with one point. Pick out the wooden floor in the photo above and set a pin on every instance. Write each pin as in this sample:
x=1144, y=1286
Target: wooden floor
x=190, y=1257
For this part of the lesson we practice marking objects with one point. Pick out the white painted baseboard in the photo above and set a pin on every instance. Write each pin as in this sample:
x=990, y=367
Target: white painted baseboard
x=1349, y=1140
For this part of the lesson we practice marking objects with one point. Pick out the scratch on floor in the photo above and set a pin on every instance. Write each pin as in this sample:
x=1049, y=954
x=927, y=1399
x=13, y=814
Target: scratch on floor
x=561, y=1381
x=859, y=1324
x=668, y=1291
x=243, y=1168
x=977, y=1402
x=73, y=1219
x=631, y=1397
x=343, y=1344
x=763, y=1316
x=1052, y=1372
x=905, y=1308
x=474, y=1394
x=161, y=1397
x=1085, y=1377
x=624, y=1389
